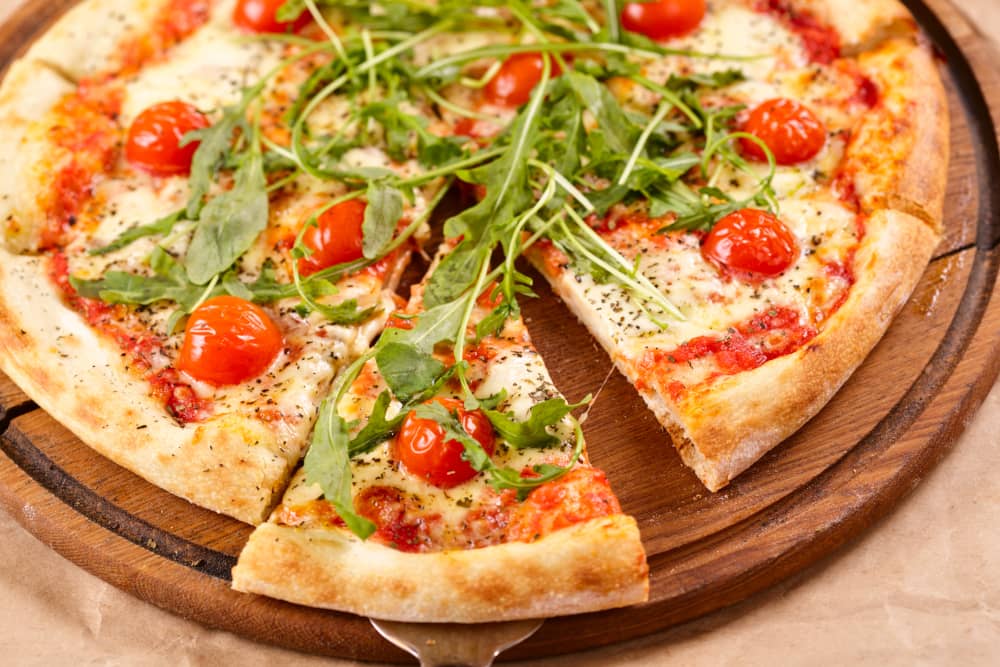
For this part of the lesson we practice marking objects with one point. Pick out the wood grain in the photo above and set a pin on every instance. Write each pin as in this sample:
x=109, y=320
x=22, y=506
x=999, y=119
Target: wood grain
x=895, y=418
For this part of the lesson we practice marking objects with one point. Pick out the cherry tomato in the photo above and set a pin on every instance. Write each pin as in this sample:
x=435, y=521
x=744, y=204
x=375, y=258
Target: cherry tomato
x=422, y=448
x=663, y=19
x=337, y=237
x=790, y=130
x=261, y=16
x=227, y=341
x=154, y=140
x=753, y=241
x=517, y=77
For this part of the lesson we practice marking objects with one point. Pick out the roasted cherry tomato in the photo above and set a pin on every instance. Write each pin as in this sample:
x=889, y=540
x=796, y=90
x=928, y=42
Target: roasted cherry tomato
x=517, y=77
x=752, y=241
x=337, y=237
x=227, y=341
x=422, y=448
x=154, y=140
x=663, y=19
x=261, y=16
x=792, y=132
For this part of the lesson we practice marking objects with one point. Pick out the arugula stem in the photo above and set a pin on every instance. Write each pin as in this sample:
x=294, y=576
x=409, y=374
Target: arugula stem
x=640, y=145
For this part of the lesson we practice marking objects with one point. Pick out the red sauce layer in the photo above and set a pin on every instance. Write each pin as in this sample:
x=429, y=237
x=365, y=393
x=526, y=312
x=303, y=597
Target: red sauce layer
x=177, y=20
x=822, y=42
x=403, y=523
x=749, y=345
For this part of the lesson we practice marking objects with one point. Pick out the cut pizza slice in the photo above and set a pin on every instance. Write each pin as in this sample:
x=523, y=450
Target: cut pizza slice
x=801, y=213
x=443, y=492
x=118, y=229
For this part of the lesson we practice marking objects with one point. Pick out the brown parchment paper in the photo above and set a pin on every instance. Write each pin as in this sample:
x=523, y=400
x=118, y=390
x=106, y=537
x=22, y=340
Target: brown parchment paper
x=922, y=588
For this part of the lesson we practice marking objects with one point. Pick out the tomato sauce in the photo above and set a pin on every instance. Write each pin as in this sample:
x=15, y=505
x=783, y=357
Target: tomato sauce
x=768, y=335
x=821, y=42
x=177, y=20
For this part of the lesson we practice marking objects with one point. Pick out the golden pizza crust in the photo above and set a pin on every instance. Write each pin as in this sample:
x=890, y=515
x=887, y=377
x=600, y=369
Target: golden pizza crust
x=898, y=157
x=595, y=565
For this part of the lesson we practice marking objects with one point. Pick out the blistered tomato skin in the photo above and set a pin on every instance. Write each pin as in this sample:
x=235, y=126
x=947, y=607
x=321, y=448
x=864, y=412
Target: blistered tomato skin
x=336, y=238
x=518, y=76
x=154, y=140
x=422, y=448
x=261, y=16
x=228, y=341
x=663, y=19
x=751, y=241
x=790, y=129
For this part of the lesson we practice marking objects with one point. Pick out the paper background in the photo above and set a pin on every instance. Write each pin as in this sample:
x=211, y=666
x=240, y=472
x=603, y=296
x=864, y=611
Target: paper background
x=922, y=587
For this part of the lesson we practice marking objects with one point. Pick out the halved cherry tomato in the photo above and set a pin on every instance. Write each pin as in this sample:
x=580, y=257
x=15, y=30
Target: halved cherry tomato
x=753, y=241
x=517, y=77
x=663, y=19
x=336, y=239
x=261, y=16
x=154, y=140
x=792, y=132
x=227, y=341
x=422, y=448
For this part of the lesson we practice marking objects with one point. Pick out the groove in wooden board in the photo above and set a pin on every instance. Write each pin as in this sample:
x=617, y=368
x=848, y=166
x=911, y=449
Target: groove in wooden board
x=128, y=491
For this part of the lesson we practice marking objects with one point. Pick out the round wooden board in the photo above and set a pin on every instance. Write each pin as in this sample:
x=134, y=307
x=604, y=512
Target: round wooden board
x=892, y=421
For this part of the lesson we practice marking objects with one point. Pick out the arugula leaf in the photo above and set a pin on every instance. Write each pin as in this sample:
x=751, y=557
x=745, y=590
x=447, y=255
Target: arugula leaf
x=407, y=370
x=379, y=428
x=435, y=325
x=168, y=284
x=327, y=464
x=455, y=274
x=214, y=148
x=618, y=130
x=382, y=215
x=345, y=313
x=159, y=227
x=533, y=433
x=229, y=223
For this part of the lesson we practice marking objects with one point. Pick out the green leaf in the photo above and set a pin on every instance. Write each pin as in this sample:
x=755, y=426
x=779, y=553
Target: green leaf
x=229, y=223
x=169, y=284
x=382, y=215
x=533, y=433
x=328, y=464
x=407, y=370
x=215, y=146
x=378, y=429
x=345, y=313
x=455, y=274
x=436, y=325
x=157, y=228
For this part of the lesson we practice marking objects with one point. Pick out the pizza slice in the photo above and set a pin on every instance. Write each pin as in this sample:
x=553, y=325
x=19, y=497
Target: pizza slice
x=805, y=203
x=179, y=283
x=437, y=491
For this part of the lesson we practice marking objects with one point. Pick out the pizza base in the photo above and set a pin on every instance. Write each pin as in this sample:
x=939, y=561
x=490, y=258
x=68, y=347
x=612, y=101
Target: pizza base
x=593, y=565
x=232, y=463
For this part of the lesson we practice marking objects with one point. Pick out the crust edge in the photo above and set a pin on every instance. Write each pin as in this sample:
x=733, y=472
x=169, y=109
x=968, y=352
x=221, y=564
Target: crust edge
x=599, y=564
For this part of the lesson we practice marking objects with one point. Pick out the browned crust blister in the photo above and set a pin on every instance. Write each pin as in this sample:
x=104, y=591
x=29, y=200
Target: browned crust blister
x=594, y=565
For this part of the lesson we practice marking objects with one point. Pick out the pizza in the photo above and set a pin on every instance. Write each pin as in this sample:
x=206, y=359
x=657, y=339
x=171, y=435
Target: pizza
x=212, y=203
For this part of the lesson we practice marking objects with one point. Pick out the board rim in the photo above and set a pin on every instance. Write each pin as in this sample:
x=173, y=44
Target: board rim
x=980, y=296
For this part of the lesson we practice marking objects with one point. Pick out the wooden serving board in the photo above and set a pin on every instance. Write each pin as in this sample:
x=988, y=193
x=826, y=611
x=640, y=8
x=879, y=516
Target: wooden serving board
x=866, y=450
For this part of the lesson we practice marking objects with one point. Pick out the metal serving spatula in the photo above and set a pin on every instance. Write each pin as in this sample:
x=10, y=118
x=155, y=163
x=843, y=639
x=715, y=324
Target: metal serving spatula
x=454, y=644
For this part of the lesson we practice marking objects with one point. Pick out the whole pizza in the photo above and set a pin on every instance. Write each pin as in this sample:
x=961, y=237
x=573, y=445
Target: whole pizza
x=207, y=208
